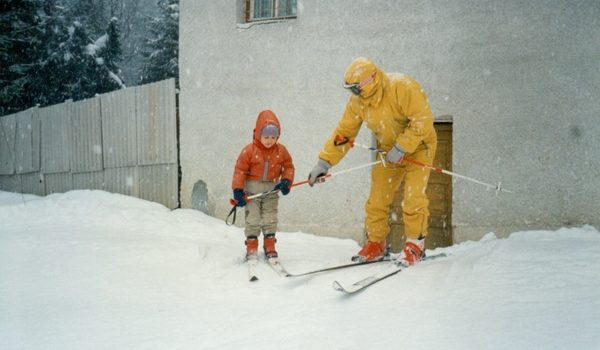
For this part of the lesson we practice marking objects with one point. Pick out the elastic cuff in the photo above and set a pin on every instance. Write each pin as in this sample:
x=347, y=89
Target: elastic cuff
x=325, y=164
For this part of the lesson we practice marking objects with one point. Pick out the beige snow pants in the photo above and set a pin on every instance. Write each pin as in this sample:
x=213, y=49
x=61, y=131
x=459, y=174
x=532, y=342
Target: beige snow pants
x=261, y=212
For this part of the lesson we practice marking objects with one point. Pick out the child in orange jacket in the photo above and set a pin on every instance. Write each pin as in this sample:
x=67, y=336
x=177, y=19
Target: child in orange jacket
x=262, y=166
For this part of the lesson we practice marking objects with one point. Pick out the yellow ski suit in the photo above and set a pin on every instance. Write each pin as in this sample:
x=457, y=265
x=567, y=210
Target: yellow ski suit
x=395, y=108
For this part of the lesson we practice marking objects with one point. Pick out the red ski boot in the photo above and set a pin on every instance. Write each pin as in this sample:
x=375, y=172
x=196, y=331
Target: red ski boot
x=269, y=246
x=371, y=251
x=413, y=252
x=251, y=248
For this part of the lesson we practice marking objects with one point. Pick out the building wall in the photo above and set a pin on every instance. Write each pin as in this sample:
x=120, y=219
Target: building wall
x=520, y=79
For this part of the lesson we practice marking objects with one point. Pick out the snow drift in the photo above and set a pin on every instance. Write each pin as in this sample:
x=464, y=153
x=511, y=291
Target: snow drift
x=90, y=269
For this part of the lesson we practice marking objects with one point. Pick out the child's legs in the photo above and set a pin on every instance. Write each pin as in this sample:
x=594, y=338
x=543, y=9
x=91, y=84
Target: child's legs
x=261, y=212
x=269, y=213
x=252, y=210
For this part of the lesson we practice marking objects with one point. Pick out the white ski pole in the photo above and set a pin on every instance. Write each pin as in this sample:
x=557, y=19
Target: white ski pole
x=498, y=187
x=319, y=179
x=233, y=202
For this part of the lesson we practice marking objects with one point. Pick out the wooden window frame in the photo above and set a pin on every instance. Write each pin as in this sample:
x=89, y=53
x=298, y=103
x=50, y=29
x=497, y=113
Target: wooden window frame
x=249, y=12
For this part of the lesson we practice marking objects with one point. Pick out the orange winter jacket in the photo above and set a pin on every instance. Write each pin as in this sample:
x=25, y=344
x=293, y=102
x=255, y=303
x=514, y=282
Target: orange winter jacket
x=256, y=162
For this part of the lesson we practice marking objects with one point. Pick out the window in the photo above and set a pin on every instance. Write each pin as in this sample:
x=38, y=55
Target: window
x=261, y=10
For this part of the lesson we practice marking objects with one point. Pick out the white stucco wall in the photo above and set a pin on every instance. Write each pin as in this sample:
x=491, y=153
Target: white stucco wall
x=519, y=77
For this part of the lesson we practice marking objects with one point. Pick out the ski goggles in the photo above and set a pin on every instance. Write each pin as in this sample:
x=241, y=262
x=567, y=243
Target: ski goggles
x=356, y=88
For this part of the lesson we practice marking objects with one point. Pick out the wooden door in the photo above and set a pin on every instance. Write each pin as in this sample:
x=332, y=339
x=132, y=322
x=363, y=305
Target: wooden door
x=439, y=191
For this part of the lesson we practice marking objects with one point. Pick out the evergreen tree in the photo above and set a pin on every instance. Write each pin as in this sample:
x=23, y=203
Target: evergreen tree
x=37, y=71
x=76, y=63
x=54, y=50
x=113, y=53
x=81, y=68
x=161, y=49
x=106, y=53
x=19, y=50
x=92, y=14
x=48, y=74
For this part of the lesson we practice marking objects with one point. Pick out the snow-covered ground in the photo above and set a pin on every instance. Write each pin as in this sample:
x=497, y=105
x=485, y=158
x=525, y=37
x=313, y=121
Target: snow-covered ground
x=94, y=270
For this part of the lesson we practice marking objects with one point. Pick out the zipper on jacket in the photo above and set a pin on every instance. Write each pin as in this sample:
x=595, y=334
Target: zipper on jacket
x=265, y=171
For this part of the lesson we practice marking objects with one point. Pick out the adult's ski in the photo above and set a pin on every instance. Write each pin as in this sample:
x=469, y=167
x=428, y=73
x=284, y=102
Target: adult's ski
x=376, y=277
x=336, y=267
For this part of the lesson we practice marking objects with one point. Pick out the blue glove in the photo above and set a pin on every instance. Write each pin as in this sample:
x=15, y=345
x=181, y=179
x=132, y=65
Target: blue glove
x=395, y=155
x=239, y=196
x=283, y=186
x=319, y=170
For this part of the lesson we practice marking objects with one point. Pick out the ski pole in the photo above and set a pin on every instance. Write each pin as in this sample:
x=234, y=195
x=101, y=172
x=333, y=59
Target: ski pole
x=303, y=182
x=257, y=195
x=498, y=187
x=262, y=194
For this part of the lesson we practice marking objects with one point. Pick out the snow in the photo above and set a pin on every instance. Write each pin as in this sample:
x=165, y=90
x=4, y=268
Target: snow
x=90, y=270
x=116, y=79
x=99, y=44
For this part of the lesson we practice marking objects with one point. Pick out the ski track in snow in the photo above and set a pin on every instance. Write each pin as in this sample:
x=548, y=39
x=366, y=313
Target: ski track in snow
x=90, y=269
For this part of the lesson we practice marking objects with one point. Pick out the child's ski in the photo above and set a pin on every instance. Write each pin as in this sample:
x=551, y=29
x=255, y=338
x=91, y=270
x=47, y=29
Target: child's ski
x=276, y=265
x=273, y=262
x=376, y=277
x=252, y=263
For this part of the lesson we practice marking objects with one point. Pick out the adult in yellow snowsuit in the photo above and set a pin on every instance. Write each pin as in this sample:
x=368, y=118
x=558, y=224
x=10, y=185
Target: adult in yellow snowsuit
x=395, y=108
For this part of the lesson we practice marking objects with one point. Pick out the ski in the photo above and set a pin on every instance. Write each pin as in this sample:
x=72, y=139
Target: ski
x=337, y=267
x=377, y=277
x=276, y=265
x=365, y=282
x=252, y=263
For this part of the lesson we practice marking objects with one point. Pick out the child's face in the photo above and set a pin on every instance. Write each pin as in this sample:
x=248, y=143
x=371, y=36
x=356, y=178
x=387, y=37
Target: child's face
x=268, y=141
